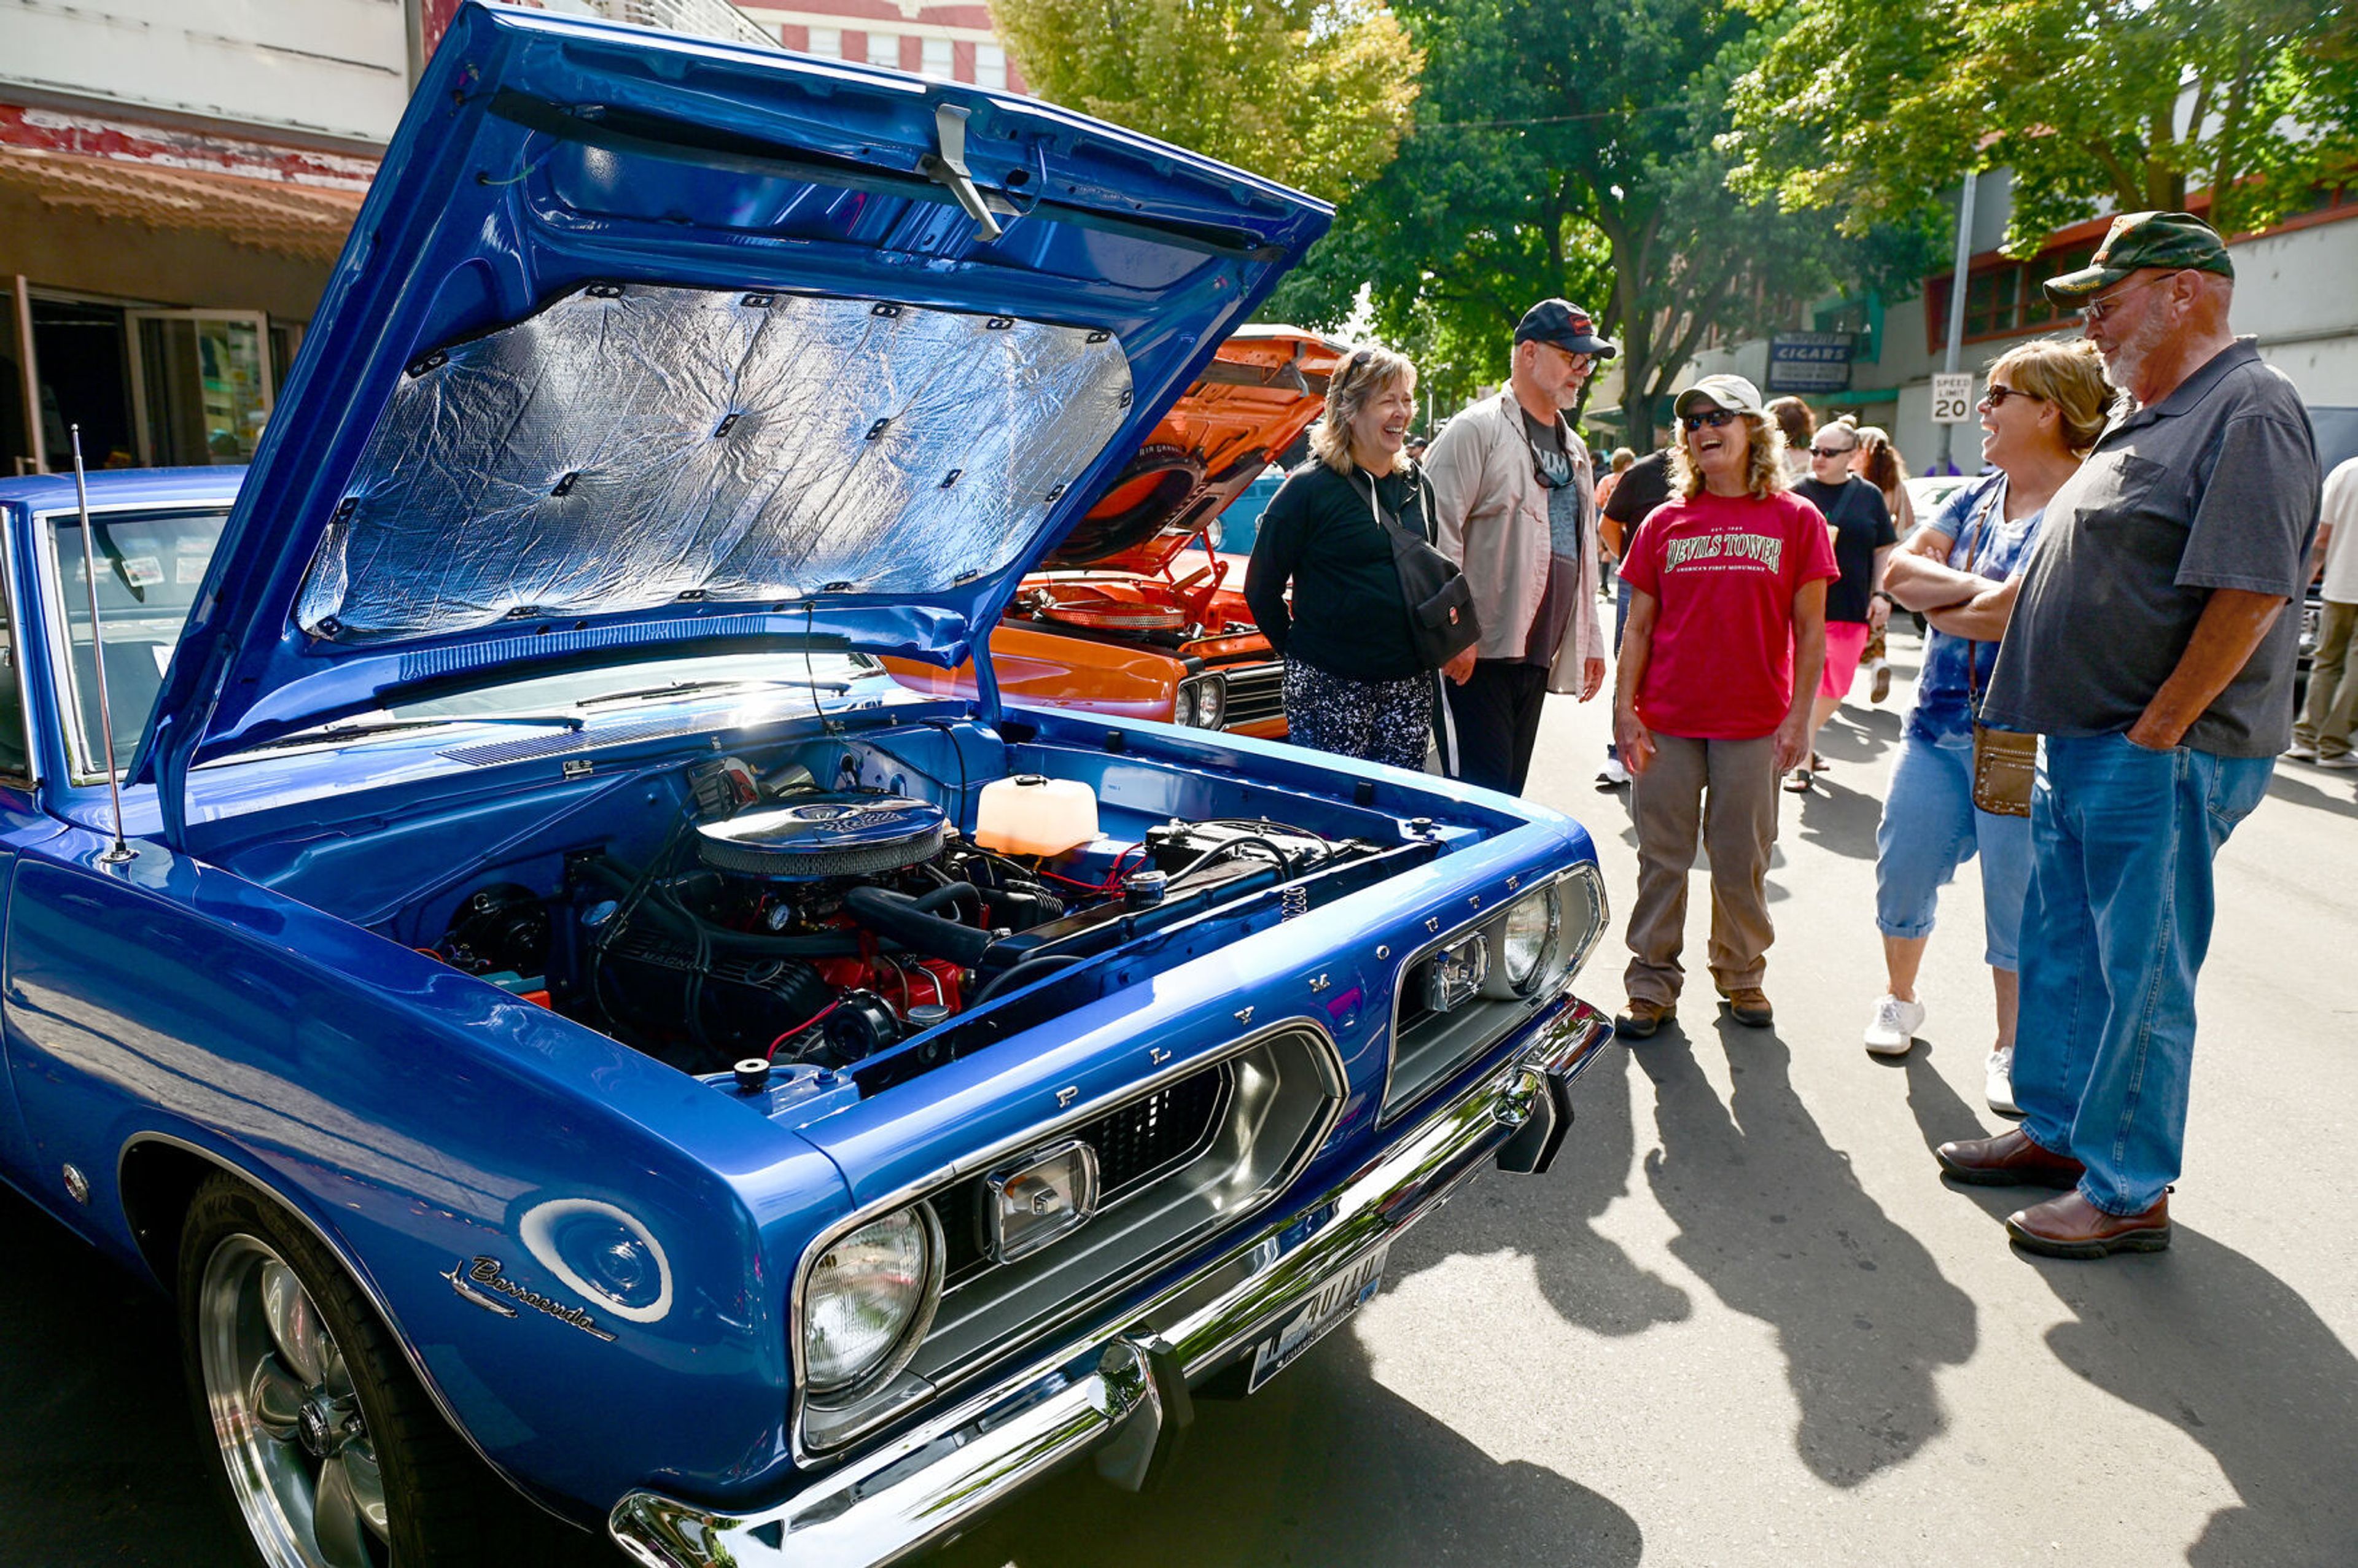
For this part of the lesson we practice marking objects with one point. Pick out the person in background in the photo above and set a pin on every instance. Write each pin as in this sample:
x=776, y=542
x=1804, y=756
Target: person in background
x=1800, y=424
x=1515, y=498
x=1354, y=683
x=1622, y=457
x=1726, y=636
x=1643, y=486
x=2044, y=408
x=2322, y=735
x=1879, y=462
x=1855, y=607
x=2150, y=653
x=1413, y=448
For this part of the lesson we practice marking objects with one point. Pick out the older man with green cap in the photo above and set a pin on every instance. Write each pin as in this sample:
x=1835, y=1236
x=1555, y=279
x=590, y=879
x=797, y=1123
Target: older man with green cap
x=2149, y=650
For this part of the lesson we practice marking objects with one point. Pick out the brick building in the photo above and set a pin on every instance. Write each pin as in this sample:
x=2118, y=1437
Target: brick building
x=955, y=41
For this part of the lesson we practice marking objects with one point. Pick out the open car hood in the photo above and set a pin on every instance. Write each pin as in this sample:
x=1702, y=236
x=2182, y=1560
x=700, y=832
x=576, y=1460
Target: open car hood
x=1264, y=388
x=642, y=341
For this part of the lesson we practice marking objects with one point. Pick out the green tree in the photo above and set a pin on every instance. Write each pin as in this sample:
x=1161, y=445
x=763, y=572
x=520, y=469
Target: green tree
x=1314, y=93
x=1870, y=109
x=1568, y=147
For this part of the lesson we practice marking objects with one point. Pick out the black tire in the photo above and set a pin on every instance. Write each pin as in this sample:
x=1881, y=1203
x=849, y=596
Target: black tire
x=366, y=1418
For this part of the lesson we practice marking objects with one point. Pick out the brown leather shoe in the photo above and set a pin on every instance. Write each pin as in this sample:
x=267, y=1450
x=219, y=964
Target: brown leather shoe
x=1749, y=1006
x=2072, y=1227
x=2009, y=1160
x=1641, y=1018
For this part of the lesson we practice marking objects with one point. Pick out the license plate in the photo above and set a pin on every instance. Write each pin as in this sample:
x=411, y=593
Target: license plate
x=1309, y=1323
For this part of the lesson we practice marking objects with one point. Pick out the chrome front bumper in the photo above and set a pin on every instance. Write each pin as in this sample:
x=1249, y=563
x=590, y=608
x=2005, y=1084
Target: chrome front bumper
x=1123, y=1392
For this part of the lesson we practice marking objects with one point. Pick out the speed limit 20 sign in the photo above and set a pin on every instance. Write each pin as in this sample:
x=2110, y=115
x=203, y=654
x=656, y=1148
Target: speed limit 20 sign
x=1952, y=398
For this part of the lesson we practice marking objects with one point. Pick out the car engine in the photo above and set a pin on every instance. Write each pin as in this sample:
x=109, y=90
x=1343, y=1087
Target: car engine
x=797, y=924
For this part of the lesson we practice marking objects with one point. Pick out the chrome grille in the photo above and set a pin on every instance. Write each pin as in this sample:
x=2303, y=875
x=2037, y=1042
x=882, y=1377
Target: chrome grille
x=1143, y=1140
x=1256, y=693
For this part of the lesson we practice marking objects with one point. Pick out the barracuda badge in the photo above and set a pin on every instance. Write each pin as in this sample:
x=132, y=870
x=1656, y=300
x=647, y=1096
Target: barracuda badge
x=484, y=1281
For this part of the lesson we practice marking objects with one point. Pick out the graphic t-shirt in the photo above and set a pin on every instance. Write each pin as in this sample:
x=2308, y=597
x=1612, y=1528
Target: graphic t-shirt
x=1557, y=476
x=1723, y=571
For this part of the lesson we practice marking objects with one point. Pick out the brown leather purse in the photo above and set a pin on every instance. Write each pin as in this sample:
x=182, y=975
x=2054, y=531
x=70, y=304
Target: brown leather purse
x=2005, y=762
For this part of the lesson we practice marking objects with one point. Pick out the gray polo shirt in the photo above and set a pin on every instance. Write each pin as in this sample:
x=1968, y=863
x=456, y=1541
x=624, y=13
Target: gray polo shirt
x=2215, y=486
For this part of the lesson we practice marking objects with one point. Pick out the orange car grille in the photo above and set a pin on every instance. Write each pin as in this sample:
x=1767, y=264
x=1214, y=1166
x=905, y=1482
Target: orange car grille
x=1256, y=693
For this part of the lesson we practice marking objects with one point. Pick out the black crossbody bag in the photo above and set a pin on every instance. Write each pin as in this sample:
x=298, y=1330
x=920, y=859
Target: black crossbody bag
x=1441, y=619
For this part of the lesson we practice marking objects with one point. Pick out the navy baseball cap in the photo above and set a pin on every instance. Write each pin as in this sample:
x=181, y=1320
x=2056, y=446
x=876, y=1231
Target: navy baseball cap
x=1564, y=324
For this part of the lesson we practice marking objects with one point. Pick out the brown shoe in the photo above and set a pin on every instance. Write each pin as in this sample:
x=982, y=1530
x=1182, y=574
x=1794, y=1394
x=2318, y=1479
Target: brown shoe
x=2009, y=1160
x=1749, y=1006
x=2072, y=1227
x=1641, y=1018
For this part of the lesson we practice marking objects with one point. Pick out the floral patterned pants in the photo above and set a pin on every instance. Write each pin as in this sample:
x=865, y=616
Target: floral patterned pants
x=1379, y=722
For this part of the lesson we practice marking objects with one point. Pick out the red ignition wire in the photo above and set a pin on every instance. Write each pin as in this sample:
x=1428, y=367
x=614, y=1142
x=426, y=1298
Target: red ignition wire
x=771, y=1054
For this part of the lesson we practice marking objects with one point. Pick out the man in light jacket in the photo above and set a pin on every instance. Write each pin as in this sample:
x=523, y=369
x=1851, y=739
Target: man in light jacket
x=1514, y=496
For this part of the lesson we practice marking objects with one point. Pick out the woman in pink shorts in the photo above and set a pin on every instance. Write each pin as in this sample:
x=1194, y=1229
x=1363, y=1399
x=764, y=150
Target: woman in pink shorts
x=1860, y=524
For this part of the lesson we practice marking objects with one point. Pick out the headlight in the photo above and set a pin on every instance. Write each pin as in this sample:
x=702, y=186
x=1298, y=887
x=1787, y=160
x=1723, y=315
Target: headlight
x=1528, y=937
x=1212, y=701
x=1182, y=709
x=869, y=1299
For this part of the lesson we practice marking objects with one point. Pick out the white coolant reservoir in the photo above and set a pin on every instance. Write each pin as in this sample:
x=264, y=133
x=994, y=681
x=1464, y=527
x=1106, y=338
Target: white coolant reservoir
x=1029, y=815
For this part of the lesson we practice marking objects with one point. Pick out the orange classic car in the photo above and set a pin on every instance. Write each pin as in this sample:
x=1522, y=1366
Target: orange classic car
x=1136, y=613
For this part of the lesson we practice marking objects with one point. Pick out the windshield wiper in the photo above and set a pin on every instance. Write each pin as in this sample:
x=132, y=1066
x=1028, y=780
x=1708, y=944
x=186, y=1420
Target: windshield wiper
x=328, y=734
x=682, y=688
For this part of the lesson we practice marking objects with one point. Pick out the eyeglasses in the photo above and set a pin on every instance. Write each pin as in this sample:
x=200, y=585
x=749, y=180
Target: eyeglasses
x=1831, y=451
x=2097, y=310
x=1996, y=395
x=1712, y=419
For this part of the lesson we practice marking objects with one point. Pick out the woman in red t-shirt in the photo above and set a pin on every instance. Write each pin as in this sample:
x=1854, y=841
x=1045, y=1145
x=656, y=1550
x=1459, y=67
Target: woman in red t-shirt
x=1727, y=624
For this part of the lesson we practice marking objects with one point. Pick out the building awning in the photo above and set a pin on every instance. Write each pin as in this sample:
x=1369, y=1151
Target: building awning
x=306, y=222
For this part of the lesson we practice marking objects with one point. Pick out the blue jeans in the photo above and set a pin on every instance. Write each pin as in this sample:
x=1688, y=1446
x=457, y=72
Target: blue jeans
x=2113, y=935
x=1929, y=828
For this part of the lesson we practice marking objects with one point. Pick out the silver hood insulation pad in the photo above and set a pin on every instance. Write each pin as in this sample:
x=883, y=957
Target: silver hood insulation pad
x=626, y=448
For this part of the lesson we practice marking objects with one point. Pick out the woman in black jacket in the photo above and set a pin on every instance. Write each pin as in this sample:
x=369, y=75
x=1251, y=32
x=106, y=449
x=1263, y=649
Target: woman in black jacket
x=1354, y=683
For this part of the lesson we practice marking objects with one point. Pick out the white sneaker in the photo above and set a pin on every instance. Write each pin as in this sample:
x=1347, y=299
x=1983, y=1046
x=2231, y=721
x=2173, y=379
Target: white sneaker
x=2340, y=762
x=1612, y=775
x=1893, y=1029
x=2300, y=752
x=1997, y=1083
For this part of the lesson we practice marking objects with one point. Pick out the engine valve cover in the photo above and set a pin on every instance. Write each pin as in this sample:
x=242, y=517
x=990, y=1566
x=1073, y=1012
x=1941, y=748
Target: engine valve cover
x=845, y=835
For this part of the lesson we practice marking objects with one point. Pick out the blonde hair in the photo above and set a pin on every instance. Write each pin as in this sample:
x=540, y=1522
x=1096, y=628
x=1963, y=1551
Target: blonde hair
x=1764, y=466
x=2067, y=372
x=1367, y=372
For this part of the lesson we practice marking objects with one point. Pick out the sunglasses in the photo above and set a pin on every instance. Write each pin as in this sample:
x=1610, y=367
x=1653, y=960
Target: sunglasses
x=1996, y=395
x=1831, y=451
x=2096, y=310
x=1710, y=420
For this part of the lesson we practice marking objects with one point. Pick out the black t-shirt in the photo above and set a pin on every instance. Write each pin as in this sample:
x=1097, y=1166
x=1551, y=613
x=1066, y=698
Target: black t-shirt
x=1644, y=485
x=1348, y=618
x=1862, y=526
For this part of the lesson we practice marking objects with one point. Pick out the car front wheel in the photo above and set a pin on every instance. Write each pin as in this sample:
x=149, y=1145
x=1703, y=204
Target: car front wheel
x=332, y=1452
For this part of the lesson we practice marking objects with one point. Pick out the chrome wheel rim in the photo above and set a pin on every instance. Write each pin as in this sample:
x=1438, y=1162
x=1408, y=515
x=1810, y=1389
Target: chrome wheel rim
x=292, y=1437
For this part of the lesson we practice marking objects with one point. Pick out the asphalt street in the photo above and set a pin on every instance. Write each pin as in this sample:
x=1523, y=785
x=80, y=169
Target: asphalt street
x=1744, y=1321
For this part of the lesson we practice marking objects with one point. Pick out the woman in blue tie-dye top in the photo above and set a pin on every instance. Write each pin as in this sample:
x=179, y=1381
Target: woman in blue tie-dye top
x=2045, y=407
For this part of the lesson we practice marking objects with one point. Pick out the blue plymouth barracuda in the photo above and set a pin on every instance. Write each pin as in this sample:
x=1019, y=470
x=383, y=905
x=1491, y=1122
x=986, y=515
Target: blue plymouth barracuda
x=582, y=1045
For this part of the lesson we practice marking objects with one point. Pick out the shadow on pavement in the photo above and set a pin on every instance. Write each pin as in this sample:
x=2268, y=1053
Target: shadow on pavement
x=2211, y=1343
x=1775, y=1221
x=2298, y=786
x=1324, y=1466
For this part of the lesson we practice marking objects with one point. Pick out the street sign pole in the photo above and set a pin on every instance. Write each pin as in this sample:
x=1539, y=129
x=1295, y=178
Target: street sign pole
x=1957, y=281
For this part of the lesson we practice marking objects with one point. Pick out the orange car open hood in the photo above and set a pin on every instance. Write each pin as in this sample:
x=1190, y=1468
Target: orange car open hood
x=1262, y=389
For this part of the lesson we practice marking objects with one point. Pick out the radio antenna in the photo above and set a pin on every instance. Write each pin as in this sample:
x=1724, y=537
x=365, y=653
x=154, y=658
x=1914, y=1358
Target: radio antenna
x=121, y=851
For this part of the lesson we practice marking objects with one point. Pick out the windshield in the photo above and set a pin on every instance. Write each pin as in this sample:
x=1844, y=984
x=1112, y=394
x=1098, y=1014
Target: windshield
x=149, y=567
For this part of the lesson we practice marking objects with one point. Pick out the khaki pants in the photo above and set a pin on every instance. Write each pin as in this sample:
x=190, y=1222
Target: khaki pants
x=2332, y=706
x=1723, y=791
